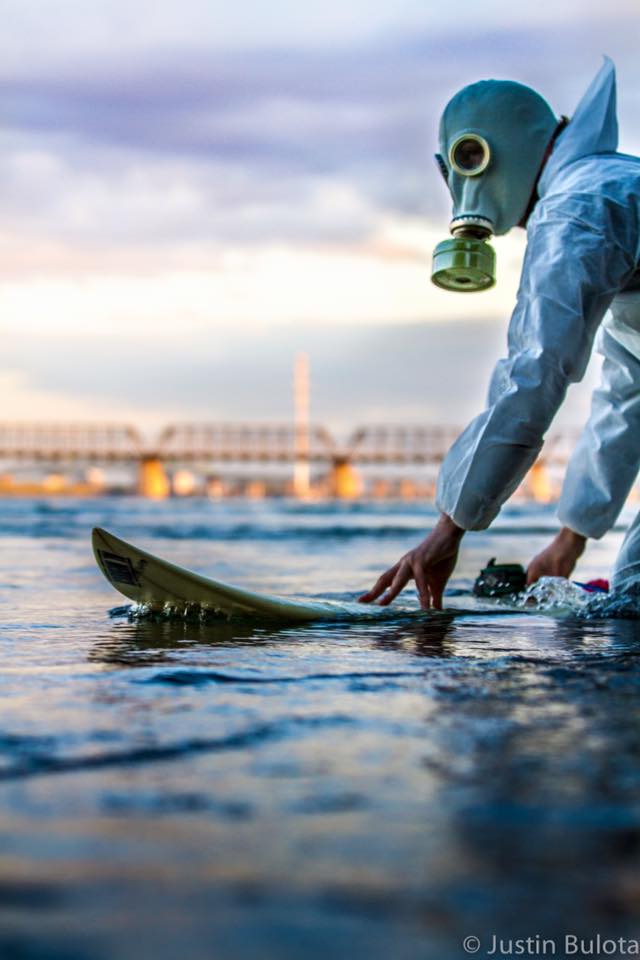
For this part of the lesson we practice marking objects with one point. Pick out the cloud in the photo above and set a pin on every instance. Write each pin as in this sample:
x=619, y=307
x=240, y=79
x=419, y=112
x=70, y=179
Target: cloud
x=173, y=296
x=163, y=143
x=37, y=33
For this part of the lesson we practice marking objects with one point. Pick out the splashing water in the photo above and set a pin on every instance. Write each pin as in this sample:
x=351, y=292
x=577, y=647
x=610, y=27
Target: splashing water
x=196, y=612
x=155, y=612
x=556, y=596
x=617, y=605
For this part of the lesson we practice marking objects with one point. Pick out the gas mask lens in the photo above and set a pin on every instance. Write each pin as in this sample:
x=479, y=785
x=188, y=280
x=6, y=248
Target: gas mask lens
x=469, y=155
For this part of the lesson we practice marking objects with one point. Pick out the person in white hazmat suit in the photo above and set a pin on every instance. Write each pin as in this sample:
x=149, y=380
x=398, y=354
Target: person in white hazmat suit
x=508, y=161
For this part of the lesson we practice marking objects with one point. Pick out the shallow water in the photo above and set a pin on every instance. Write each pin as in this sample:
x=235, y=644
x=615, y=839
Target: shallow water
x=372, y=789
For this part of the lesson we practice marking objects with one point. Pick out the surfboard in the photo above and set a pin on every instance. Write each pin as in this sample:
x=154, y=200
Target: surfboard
x=157, y=583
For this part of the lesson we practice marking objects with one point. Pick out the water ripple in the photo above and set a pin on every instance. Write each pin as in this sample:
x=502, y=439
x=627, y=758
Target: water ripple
x=39, y=764
x=186, y=677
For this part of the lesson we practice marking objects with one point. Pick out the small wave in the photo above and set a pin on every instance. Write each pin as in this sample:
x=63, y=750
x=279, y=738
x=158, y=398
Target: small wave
x=70, y=527
x=161, y=804
x=39, y=764
x=23, y=742
x=49, y=530
x=121, y=611
x=186, y=677
x=331, y=803
x=263, y=533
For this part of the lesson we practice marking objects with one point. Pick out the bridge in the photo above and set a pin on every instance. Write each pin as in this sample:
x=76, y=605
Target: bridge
x=218, y=443
x=67, y=443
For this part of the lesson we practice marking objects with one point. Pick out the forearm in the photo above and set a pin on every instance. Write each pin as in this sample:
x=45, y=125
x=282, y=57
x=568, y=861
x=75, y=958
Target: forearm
x=491, y=458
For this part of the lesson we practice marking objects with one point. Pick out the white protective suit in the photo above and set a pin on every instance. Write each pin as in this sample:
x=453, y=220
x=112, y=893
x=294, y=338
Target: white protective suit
x=581, y=267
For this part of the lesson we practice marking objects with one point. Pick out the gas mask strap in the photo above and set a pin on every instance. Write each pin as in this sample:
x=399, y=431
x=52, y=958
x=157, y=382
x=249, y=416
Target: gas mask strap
x=533, y=199
x=442, y=167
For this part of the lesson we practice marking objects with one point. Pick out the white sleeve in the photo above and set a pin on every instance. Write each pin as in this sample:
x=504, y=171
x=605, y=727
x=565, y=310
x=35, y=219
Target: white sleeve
x=574, y=264
x=605, y=462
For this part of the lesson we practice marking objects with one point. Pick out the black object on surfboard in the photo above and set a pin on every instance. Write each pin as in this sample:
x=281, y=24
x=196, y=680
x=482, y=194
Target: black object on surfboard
x=500, y=579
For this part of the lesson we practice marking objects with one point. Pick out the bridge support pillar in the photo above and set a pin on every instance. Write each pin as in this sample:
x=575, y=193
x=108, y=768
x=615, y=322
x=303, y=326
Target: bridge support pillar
x=541, y=489
x=153, y=482
x=345, y=481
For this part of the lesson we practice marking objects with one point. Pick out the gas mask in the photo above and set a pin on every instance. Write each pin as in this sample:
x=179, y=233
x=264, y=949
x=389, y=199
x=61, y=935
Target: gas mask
x=494, y=138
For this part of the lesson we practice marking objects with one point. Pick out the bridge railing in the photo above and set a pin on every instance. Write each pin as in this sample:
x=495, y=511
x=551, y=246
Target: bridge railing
x=53, y=442
x=399, y=445
x=244, y=442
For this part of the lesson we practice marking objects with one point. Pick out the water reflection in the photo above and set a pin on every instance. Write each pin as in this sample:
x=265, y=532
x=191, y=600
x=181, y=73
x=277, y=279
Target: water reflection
x=424, y=637
x=143, y=642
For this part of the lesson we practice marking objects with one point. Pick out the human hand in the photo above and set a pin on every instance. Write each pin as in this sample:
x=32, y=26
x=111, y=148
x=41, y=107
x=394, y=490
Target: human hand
x=559, y=558
x=430, y=564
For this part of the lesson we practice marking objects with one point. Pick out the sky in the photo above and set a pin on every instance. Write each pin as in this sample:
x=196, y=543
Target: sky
x=191, y=192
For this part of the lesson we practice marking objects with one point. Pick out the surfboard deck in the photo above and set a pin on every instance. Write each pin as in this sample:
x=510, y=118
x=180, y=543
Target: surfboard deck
x=146, y=579
x=155, y=582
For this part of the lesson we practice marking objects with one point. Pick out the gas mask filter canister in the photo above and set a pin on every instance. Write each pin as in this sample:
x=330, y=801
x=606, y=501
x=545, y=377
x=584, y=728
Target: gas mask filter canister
x=466, y=263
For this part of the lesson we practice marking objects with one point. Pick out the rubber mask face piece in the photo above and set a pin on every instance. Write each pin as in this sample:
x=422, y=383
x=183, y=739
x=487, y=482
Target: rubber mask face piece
x=493, y=138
